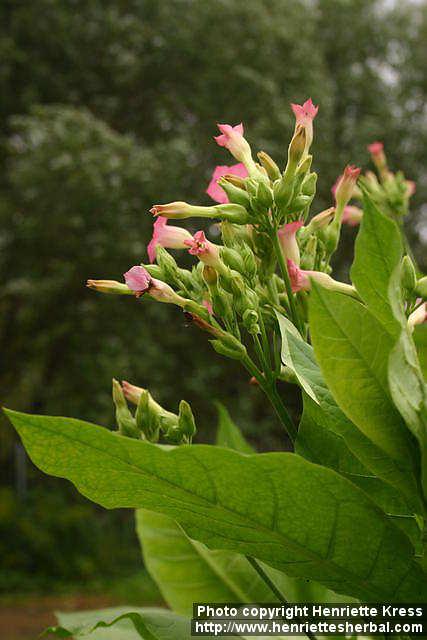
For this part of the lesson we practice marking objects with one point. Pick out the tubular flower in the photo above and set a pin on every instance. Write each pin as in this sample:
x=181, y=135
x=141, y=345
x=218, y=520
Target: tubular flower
x=168, y=237
x=181, y=210
x=108, y=286
x=139, y=281
x=232, y=139
x=301, y=280
x=214, y=190
x=352, y=216
x=345, y=185
x=205, y=250
x=305, y=114
x=288, y=241
x=376, y=149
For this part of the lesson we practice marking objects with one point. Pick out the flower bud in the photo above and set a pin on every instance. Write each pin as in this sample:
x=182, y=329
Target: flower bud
x=229, y=347
x=421, y=288
x=300, y=203
x=282, y=190
x=125, y=420
x=269, y=165
x=409, y=275
x=147, y=418
x=109, y=286
x=167, y=236
x=251, y=321
x=232, y=212
x=305, y=114
x=419, y=316
x=154, y=270
x=320, y=220
x=308, y=186
x=352, y=215
x=309, y=255
x=264, y=196
x=167, y=263
x=235, y=194
x=376, y=149
x=301, y=281
x=233, y=235
x=345, y=187
x=232, y=259
x=237, y=181
x=182, y=210
x=186, y=422
x=304, y=166
x=296, y=148
x=210, y=276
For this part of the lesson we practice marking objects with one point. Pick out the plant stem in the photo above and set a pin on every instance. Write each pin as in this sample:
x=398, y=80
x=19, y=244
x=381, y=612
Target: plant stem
x=279, y=595
x=285, y=274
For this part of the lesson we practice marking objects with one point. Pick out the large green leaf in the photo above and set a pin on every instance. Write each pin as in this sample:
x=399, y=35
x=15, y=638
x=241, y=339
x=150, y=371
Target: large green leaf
x=328, y=437
x=122, y=623
x=353, y=349
x=378, y=251
x=294, y=515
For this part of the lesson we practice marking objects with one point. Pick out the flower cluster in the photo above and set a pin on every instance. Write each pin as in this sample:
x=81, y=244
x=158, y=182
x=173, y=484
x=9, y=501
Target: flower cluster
x=270, y=253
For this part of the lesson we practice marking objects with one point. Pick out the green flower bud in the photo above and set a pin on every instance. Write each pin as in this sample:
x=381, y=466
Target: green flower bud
x=421, y=288
x=125, y=421
x=232, y=259
x=282, y=190
x=147, y=417
x=409, y=275
x=305, y=166
x=186, y=421
x=167, y=264
x=264, y=195
x=308, y=256
x=155, y=271
x=235, y=194
x=308, y=186
x=234, y=350
x=232, y=212
x=300, y=203
x=269, y=165
x=250, y=321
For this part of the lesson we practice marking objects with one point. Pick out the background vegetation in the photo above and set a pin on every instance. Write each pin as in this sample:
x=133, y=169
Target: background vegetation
x=108, y=106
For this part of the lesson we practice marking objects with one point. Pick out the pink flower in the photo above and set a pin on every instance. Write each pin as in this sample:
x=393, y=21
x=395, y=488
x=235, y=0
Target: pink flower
x=232, y=138
x=299, y=278
x=375, y=148
x=344, y=187
x=214, y=190
x=138, y=280
x=167, y=236
x=305, y=113
x=205, y=250
x=352, y=216
x=131, y=392
x=288, y=241
x=411, y=187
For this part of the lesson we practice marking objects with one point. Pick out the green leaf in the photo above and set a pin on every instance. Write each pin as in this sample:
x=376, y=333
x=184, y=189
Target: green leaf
x=420, y=339
x=406, y=380
x=352, y=349
x=229, y=434
x=289, y=333
x=123, y=623
x=378, y=250
x=328, y=437
x=296, y=516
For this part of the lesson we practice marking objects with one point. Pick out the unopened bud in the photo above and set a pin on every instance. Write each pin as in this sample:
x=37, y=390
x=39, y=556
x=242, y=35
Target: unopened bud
x=230, y=347
x=235, y=194
x=125, y=420
x=297, y=146
x=237, y=181
x=186, y=422
x=308, y=257
x=210, y=276
x=155, y=271
x=304, y=166
x=167, y=263
x=421, y=288
x=282, y=190
x=264, y=195
x=251, y=321
x=308, y=186
x=269, y=165
x=320, y=220
x=409, y=275
x=109, y=286
x=232, y=212
x=232, y=259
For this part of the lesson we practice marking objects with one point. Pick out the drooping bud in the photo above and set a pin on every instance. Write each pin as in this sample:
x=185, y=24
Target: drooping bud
x=216, y=188
x=109, y=286
x=269, y=165
x=125, y=420
x=288, y=241
x=169, y=237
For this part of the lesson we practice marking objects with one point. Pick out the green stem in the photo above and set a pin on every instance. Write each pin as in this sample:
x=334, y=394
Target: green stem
x=273, y=588
x=285, y=274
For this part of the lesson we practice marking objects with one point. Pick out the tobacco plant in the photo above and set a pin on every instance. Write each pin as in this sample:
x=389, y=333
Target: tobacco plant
x=341, y=517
